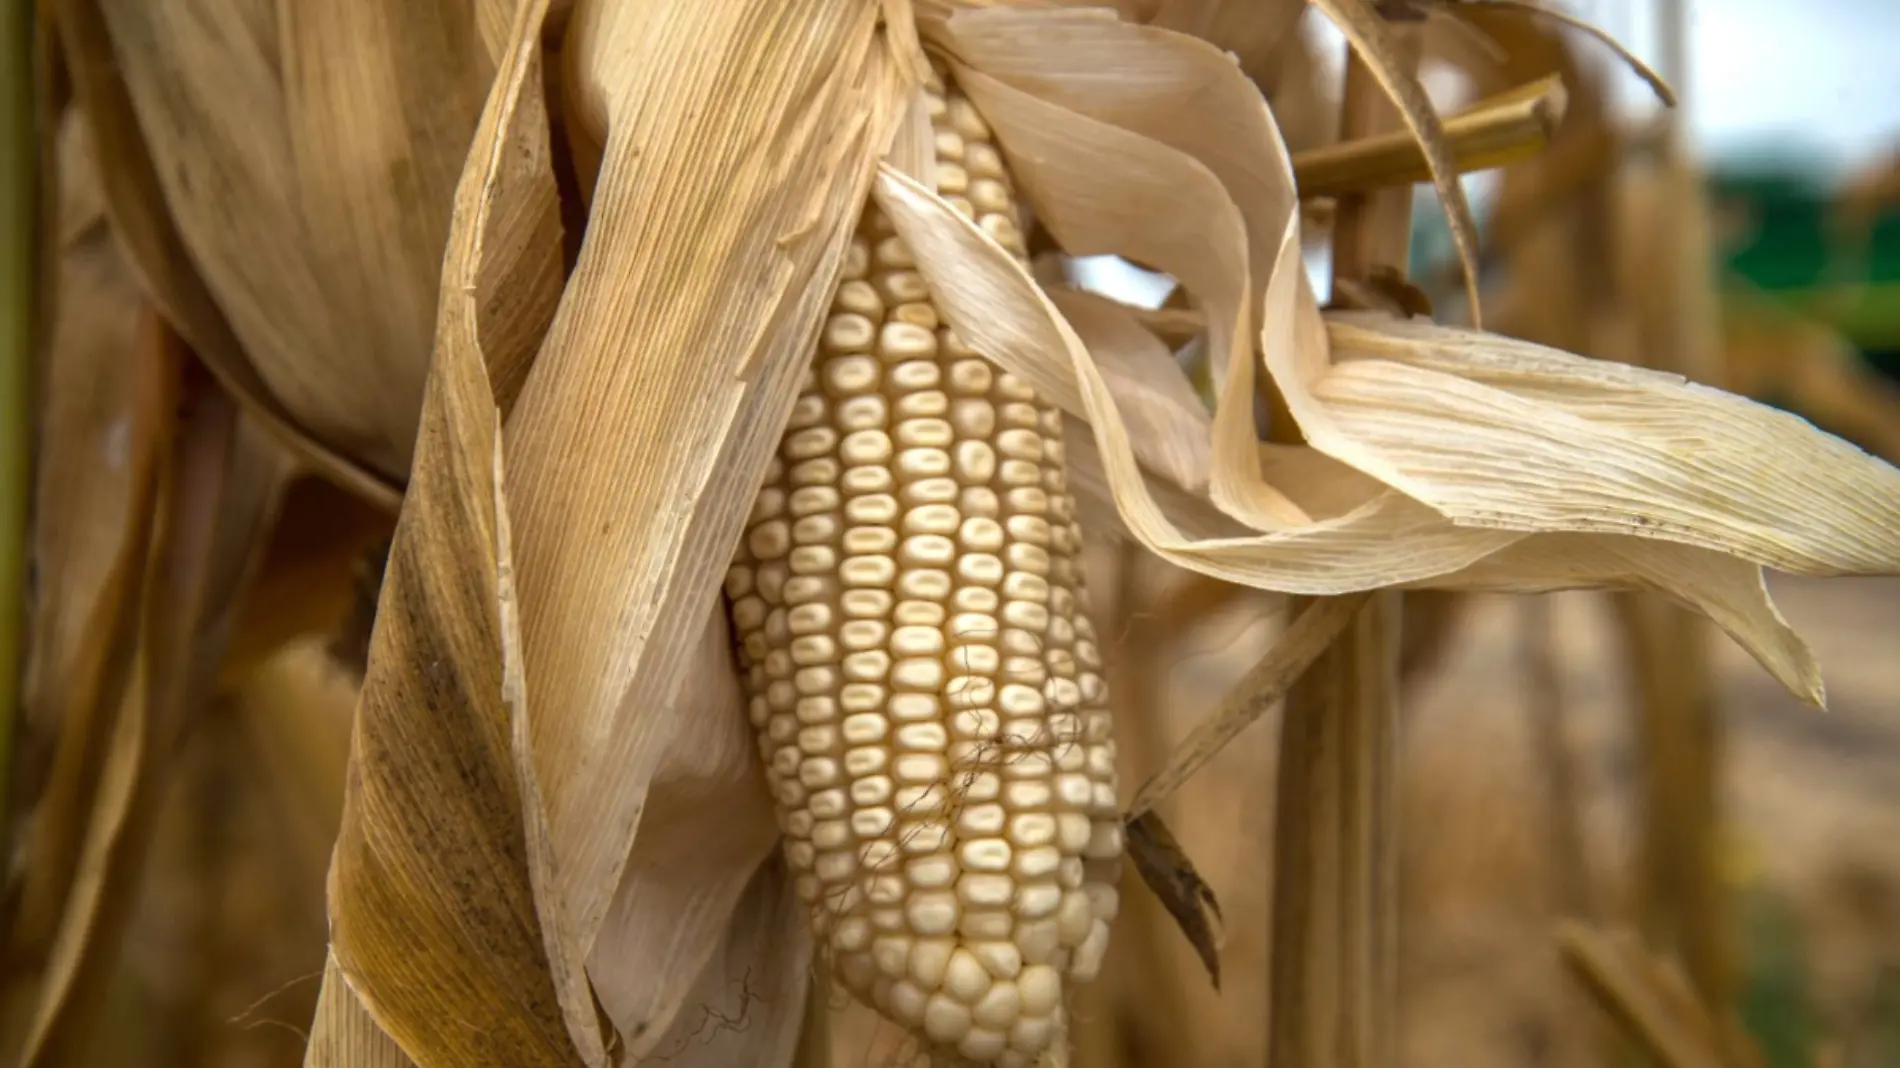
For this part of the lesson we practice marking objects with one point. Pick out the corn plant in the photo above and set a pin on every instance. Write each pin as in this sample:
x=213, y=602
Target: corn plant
x=742, y=455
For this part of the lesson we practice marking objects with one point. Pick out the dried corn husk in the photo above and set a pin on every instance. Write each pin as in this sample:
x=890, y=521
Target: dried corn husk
x=749, y=212
x=605, y=761
x=409, y=942
x=1226, y=166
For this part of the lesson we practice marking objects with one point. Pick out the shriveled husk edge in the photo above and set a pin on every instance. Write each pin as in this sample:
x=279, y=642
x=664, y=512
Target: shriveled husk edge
x=1179, y=128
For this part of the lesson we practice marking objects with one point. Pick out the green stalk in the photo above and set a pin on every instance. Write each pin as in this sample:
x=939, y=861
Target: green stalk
x=19, y=263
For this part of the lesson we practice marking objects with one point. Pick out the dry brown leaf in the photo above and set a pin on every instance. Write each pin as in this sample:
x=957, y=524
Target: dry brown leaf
x=380, y=102
x=344, y=1034
x=221, y=488
x=339, y=131
x=1495, y=432
x=433, y=919
x=100, y=467
x=1168, y=872
x=726, y=184
x=94, y=438
x=1250, y=698
x=140, y=217
x=1532, y=10
x=1056, y=175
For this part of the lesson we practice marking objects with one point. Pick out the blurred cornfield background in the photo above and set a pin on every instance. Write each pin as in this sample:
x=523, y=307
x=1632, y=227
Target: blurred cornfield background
x=1547, y=780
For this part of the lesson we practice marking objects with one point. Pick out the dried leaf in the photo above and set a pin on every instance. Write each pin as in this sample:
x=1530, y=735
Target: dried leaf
x=1496, y=432
x=434, y=803
x=996, y=307
x=1059, y=173
x=726, y=184
x=1164, y=413
x=344, y=1034
x=220, y=491
x=108, y=421
x=1258, y=690
x=1259, y=33
x=1372, y=42
x=1726, y=589
x=338, y=130
x=143, y=221
x=96, y=428
x=379, y=104
x=1168, y=872
x=1656, y=82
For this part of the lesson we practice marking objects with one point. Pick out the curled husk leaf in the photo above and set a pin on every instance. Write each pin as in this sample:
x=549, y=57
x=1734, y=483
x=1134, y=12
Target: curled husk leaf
x=1436, y=457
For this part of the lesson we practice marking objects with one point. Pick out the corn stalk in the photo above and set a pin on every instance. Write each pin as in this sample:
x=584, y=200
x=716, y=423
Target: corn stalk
x=1333, y=992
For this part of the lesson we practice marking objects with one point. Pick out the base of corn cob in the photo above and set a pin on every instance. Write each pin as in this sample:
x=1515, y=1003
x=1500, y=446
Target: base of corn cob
x=920, y=665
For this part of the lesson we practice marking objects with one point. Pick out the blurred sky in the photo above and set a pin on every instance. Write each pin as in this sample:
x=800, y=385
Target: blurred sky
x=1808, y=85
x=1817, y=80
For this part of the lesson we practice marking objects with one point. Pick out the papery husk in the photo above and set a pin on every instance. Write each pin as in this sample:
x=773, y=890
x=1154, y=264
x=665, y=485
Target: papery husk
x=1163, y=411
x=434, y=922
x=1591, y=446
x=726, y=192
x=335, y=130
x=749, y=1002
x=343, y=1034
x=1053, y=122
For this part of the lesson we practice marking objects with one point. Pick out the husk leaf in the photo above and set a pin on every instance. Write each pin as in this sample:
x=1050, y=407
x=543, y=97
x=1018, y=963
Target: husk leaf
x=343, y=1034
x=726, y=190
x=79, y=523
x=750, y=999
x=434, y=805
x=1363, y=528
x=1492, y=431
x=1163, y=411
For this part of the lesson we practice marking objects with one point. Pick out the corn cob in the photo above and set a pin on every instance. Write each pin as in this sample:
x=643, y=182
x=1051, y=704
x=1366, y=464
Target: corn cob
x=919, y=661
